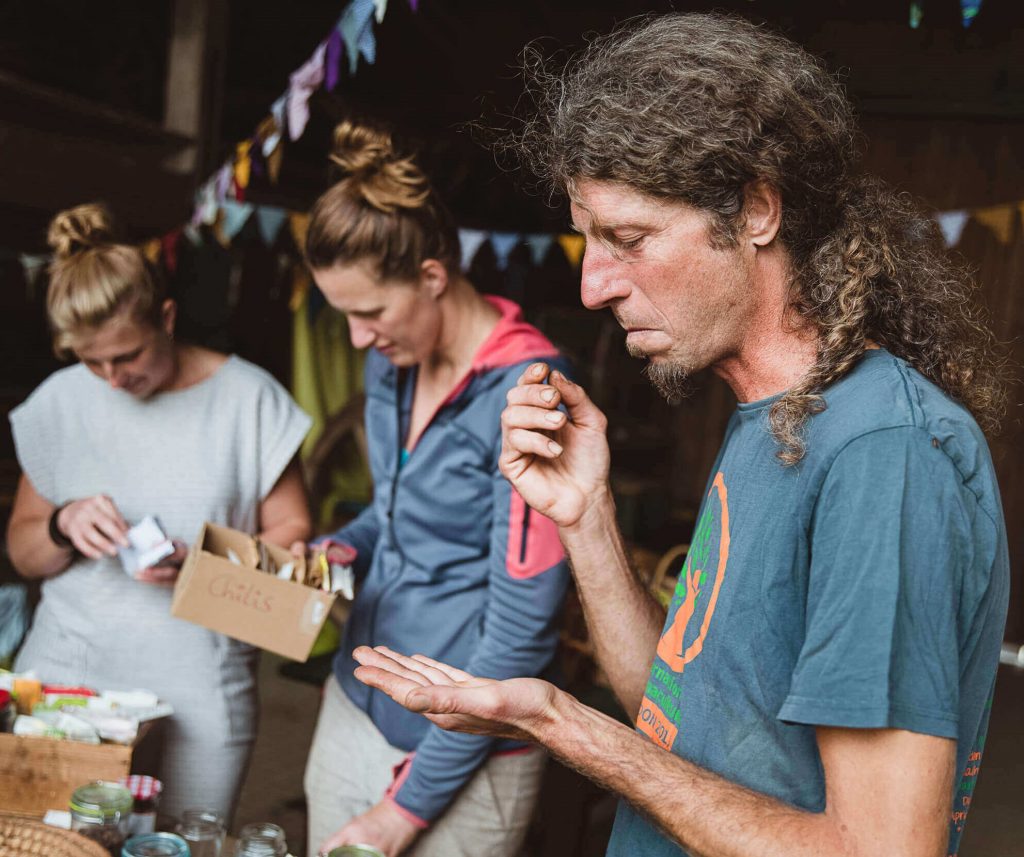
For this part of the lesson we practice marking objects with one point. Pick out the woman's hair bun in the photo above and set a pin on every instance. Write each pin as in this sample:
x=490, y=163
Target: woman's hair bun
x=80, y=228
x=368, y=161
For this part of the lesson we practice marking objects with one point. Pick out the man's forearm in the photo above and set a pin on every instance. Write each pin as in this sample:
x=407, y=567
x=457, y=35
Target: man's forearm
x=707, y=815
x=623, y=618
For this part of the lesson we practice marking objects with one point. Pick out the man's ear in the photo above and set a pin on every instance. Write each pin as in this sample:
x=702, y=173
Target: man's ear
x=433, y=277
x=762, y=212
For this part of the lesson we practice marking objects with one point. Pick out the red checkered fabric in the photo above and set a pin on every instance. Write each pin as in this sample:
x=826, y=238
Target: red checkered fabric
x=142, y=787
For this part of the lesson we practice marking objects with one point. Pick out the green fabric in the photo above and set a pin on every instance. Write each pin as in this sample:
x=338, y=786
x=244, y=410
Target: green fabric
x=326, y=372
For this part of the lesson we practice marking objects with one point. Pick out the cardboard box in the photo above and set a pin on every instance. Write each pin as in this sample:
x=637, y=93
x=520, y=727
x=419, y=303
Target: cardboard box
x=240, y=601
x=37, y=774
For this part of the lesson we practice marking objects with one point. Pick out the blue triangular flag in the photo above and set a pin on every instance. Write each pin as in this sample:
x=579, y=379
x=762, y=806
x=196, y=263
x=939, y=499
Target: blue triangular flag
x=969, y=10
x=358, y=15
x=539, y=244
x=952, y=225
x=270, y=219
x=236, y=215
x=469, y=242
x=503, y=243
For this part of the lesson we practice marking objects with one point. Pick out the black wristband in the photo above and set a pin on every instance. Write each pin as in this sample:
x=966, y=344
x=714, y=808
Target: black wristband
x=56, y=536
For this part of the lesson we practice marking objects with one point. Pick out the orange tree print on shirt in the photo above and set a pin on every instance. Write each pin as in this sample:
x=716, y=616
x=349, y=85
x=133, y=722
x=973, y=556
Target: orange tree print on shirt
x=691, y=582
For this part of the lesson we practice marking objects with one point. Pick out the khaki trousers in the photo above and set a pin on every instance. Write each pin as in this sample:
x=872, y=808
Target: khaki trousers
x=349, y=769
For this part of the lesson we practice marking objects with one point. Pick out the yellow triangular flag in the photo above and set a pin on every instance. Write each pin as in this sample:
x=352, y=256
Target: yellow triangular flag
x=998, y=218
x=573, y=247
x=274, y=163
x=217, y=228
x=243, y=164
x=300, y=287
x=151, y=250
x=300, y=226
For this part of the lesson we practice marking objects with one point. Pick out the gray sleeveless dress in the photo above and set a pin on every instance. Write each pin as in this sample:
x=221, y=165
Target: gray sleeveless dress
x=210, y=452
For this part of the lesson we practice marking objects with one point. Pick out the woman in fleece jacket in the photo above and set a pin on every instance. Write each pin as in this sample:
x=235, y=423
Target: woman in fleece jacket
x=450, y=562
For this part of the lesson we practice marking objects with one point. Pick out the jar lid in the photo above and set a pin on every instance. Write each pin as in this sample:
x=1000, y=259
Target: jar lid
x=156, y=845
x=142, y=787
x=99, y=799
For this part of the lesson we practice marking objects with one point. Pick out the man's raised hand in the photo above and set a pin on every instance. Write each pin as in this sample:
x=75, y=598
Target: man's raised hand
x=558, y=464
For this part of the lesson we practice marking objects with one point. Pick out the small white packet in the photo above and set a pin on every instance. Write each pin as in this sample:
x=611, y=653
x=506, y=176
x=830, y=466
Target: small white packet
x=343, y=580
x=147, y=546
x=58, y=818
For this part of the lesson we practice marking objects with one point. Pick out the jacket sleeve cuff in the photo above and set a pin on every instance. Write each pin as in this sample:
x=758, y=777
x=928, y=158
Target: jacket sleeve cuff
x=401, y=774
x=338, y=552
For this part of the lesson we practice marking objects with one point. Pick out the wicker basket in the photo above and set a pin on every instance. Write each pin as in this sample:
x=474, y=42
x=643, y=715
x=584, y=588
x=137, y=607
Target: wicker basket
x=20, y=838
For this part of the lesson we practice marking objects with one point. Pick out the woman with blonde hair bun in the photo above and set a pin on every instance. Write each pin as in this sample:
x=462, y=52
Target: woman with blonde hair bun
x=144, y=425
x=449, y=561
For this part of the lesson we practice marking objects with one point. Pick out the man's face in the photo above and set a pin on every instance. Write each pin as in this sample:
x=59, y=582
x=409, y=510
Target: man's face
x=684, y=304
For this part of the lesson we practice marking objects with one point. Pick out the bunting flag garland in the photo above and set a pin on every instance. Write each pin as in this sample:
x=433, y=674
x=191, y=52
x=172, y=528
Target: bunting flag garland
x=351, y=36
x=229, y=217
x=968, y=12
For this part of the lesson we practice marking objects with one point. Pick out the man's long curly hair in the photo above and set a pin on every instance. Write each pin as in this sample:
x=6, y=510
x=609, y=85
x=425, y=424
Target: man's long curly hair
x=695, y=107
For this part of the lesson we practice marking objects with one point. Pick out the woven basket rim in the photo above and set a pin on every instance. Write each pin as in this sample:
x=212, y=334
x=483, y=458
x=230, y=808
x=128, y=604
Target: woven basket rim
x=22, y=838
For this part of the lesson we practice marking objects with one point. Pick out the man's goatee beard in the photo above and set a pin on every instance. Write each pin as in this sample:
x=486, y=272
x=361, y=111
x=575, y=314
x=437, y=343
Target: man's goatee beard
x=670, y=379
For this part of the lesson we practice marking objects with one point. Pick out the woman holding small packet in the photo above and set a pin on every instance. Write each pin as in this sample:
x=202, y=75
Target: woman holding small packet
x=449, y=561
x=140, y=426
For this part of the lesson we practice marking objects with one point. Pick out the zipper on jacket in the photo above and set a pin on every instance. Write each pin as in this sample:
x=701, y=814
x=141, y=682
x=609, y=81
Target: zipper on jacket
x=526, y=529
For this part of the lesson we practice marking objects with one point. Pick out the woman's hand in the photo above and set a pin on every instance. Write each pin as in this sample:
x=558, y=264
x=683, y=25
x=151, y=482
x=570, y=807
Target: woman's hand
x=94, y=526
x=383, y=826
x=558, y=465
x=166, y=571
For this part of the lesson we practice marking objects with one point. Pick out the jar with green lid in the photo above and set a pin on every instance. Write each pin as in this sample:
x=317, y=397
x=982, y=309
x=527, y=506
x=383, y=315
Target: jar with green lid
x=156, y=845
x=100, y=811
x=356, y=851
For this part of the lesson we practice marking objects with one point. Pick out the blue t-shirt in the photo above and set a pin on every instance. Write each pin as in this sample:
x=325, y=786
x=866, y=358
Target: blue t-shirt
x=864, y=587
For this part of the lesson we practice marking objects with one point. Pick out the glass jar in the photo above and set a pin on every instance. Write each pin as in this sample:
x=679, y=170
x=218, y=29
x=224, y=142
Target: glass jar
x=203, y=830
x=261, y=840
x=100, y=811
x=156, y=845
x=146, y=797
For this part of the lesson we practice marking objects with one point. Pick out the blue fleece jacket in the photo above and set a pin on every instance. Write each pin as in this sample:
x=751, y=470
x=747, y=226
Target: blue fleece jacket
x=451, y=562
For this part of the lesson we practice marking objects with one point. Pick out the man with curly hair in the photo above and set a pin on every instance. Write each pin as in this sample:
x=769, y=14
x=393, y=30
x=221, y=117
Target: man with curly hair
x=822, y=680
